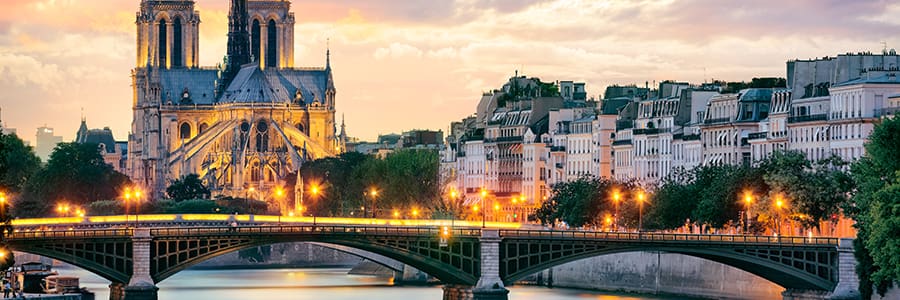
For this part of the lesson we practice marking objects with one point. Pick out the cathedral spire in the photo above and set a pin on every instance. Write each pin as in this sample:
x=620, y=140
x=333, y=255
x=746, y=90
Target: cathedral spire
x=328, y=54
x=238, y=40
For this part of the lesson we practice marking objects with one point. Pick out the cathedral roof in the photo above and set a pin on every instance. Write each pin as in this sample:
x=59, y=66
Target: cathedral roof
x=200, y=84
x=99, y=136
x=252, y=84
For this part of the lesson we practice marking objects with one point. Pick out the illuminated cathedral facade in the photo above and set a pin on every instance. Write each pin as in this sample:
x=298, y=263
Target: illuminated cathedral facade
x=243, y=126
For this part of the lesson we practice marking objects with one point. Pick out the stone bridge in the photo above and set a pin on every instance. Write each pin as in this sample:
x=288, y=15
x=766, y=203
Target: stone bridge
x=473, y=263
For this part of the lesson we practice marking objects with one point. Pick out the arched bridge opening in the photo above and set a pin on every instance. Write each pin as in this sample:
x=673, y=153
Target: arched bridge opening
x=806, y=265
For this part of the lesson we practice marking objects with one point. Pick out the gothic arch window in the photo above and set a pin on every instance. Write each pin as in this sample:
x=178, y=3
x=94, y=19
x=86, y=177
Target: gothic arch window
x=254, y=171
x=161, y=44
x=177, y=48
x=262, y=136
x=255, y=36
x=272, y=45
x=185, y=130
x=202, y=128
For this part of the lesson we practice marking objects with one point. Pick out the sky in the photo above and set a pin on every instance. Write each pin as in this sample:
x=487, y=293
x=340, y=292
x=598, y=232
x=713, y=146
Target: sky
x=410, y=64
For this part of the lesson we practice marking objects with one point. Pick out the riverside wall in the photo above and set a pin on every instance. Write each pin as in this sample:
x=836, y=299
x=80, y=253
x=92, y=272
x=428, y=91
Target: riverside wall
x=283, y=255
x=660, y=273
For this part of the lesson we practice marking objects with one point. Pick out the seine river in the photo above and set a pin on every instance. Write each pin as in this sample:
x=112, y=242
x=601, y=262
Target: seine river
x=298, y=284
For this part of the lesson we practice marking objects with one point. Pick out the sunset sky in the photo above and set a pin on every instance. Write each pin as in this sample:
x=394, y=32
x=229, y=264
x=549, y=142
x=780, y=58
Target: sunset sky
x=409, y=64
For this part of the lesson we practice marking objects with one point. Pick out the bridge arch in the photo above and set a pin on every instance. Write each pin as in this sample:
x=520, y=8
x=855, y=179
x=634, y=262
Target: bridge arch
x=787, y=268
x=110, y=260
x=458, y=263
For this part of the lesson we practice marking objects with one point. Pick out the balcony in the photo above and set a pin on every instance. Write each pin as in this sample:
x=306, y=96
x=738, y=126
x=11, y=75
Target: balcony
x=758, y=135
x=690, y=137
x=624, y=124
x=888, y=111
x=649, y=131
x=807, y=118
x=621, y=142
x=717, y=121
x=505, y=139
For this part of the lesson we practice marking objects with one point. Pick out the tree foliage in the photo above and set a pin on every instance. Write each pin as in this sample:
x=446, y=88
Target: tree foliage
x=404, y=180
x=876, y=209
x=585, y=201
x=75, y=174
x=712, y=195
x=188, y=187
x=17, y=163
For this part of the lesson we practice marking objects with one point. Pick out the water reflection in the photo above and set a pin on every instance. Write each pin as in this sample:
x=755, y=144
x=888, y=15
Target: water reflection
x=332, y=284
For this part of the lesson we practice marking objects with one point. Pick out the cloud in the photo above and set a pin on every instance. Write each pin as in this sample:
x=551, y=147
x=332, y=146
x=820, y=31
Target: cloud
x=23, y=71
x=397, y=50
x=398, y=54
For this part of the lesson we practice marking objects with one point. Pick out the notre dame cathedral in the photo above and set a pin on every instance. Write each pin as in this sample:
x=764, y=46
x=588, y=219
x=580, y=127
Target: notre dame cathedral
x=242, y=126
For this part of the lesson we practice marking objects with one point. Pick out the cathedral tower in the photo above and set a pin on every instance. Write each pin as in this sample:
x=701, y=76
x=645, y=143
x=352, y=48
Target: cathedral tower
x=167, y=34
x=238, y=39
x=271, y=33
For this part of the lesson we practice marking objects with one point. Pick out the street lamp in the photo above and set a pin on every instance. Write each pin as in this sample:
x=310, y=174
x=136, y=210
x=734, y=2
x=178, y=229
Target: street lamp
x=640, y=197
x=250, y=191
x=127, y=198
x=137, y=205
x=279, y=195
x=748, y=199
x=314, y=190
x=616, y=197
x=374, y=193
x=62, y=209
x=779, y=203
x=483, y=211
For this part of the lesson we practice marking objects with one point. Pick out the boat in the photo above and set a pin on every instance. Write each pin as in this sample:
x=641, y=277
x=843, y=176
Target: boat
x=56, y=284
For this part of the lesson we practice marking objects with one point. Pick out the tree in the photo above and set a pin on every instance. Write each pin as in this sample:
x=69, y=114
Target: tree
x=875, y=209
x=188, y=187
x=815, y=190
x=583, y=201
x=17, y=163
x=76, y=174
x=674, y=200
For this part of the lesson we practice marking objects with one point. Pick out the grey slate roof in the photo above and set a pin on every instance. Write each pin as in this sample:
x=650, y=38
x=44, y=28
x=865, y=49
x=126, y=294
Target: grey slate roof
x=201, y=84
x=883, y=79
x=252, y=84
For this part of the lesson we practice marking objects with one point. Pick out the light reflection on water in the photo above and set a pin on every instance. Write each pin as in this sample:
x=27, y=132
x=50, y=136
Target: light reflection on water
x=301, y=284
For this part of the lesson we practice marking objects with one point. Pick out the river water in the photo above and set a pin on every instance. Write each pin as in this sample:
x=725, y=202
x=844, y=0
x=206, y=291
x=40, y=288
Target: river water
x=327, y=283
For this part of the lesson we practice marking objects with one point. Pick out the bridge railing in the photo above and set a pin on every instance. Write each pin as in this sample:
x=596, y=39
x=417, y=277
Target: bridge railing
x=312, y=229
x=644, y=236
x=68, y=234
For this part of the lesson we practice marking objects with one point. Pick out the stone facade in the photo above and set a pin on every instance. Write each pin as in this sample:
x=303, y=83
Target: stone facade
x=239, y=127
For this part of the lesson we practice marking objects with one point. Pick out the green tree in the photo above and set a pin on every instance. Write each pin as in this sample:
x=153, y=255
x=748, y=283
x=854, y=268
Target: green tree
x=815, y=190
x=17, y=163
x=75, y=174
x=584, y=202
x=874, y=207
x=674, y=200
x=720, y=187
x=188, y=187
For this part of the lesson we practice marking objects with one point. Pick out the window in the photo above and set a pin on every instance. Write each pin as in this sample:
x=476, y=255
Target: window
x=272, y=45
x=202, y=128
x=255, y=44
x=185, y=131
x=161, y=42
x=177, y=51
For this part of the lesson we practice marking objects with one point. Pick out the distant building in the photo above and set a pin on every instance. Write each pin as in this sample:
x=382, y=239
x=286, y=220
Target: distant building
x=429, y=139
x=45, y=141
x=3, y=128
x=115, y=153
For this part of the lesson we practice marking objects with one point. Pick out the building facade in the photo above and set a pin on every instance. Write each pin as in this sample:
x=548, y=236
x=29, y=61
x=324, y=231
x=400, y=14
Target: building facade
x=248, y=123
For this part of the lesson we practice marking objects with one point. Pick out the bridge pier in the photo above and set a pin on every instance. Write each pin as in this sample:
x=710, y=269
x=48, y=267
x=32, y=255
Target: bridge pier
x=141, y=285
x=847, y=287
x=490, y=286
